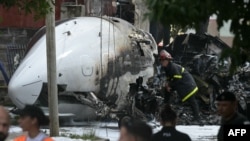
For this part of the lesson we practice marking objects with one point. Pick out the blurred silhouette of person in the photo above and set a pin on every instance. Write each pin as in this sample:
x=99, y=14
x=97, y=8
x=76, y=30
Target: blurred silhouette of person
x=4, y=123
x=135, y=130
x=227, y=109
x=168, y=120
x=30, y=120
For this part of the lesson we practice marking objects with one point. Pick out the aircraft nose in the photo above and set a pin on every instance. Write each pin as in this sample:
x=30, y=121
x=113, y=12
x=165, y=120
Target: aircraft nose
x=21, y=92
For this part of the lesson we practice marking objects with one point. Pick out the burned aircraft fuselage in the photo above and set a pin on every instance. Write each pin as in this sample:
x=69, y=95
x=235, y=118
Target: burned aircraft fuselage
x=101, y=56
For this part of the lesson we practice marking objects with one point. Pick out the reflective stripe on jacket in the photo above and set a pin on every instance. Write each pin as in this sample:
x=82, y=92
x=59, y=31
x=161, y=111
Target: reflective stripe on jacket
x=24, y=137
x=181, y=80
x=190, y=94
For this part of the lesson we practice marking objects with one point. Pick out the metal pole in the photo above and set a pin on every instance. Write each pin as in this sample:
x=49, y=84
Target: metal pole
x=51, y=71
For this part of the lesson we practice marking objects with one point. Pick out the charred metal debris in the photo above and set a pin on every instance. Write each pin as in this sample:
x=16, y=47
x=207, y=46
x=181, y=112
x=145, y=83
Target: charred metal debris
x=200, y=55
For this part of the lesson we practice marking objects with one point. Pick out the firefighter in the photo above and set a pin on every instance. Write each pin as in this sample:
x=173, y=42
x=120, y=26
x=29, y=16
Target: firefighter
x=180, y=80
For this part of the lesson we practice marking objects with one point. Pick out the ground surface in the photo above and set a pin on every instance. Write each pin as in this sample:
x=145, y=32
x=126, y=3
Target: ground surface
x=109, y=130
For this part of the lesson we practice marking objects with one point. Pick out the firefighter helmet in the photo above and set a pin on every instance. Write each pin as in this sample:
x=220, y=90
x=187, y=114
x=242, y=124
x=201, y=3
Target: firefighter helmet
x=164, y=55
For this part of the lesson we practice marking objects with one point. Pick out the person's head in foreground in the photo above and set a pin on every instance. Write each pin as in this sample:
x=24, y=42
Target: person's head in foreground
x=32, y=117
x=226, y=104
x=168, y=117
x=4, y=123
x=135, y=130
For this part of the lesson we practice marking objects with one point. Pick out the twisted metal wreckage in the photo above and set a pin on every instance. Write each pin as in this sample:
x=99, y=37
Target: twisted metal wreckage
x=109, y=70
x=199, y=54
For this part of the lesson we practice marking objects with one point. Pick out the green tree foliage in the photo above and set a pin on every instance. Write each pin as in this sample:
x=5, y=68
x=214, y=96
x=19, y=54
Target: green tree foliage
x=38, y=7
x=192, y=12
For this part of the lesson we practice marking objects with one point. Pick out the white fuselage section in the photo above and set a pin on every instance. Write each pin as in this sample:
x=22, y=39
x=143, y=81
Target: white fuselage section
x=99, y=55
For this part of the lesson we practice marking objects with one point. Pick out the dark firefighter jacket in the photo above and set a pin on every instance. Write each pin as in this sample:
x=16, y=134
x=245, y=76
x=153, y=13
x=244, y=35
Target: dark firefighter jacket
x=181, y=80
